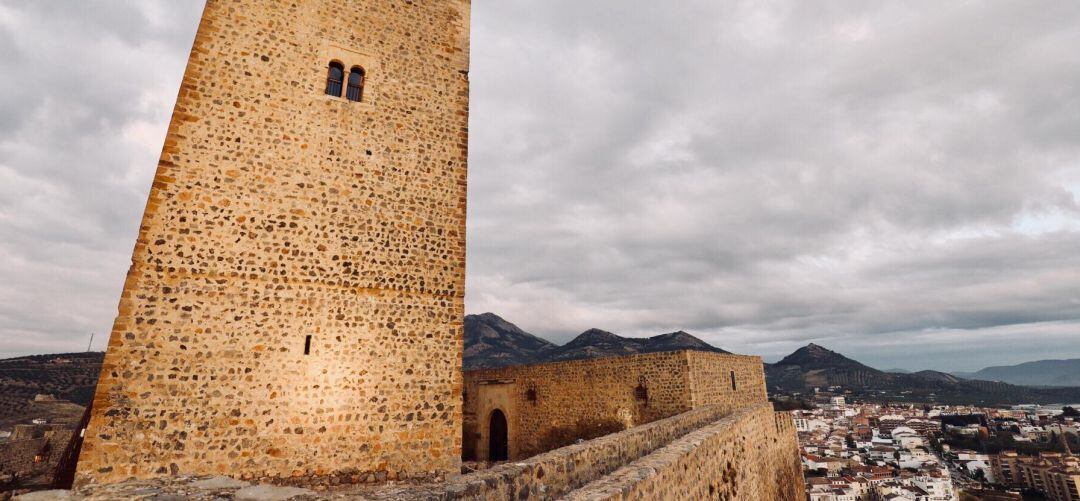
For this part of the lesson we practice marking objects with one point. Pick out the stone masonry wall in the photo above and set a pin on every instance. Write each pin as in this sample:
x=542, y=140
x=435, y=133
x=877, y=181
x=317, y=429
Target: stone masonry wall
x=33, y=459
x=280, y=215
x=711, y=379
x=550, y=405
x=744, y=456
x=554, y=473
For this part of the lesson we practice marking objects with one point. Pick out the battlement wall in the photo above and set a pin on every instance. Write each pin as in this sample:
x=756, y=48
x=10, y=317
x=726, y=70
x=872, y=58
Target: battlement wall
x=730, y=380
x=551, y=474
x=742, y=456
x=34, y=460
x=550, y=405
x=785, y=424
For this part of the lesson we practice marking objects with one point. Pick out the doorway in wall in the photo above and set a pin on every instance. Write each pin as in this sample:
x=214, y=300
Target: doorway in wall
x=498, y=442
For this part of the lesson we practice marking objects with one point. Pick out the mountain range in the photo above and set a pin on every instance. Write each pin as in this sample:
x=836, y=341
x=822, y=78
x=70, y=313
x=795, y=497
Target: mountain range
x=491, y=341
x=814, y=366
x=1038, y=373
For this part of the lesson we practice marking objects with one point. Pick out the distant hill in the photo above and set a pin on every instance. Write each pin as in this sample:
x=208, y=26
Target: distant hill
x=898, y=371
x=1039, y=373
x=595, y=343
x=814, y=357
x=937, y=376
x=814, y=366
x=491, y=341
x=67, y=376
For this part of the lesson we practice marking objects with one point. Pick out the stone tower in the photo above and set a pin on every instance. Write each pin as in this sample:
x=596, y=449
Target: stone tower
x=294, y=303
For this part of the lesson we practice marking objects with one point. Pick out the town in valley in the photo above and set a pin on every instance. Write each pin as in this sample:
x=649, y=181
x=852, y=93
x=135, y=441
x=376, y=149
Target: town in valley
x=860, y=451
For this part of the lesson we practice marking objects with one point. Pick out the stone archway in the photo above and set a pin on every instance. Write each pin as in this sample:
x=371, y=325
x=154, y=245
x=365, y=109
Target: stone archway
x=498, y=438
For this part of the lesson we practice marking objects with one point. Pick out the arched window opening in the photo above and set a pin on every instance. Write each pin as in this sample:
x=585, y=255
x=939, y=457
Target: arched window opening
x=334, y=78
x=355, y=90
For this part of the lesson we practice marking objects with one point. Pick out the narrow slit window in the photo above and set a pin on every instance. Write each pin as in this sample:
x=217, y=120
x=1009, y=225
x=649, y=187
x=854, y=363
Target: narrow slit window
x=307, y=345
x=334, y=78
x=355, y=90
x=733, y=387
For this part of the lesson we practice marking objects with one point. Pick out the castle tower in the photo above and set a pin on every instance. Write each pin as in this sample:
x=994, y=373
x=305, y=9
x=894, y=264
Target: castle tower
x=294, y=303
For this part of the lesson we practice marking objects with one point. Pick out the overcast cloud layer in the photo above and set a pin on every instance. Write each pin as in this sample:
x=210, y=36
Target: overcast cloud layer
x=900, y=183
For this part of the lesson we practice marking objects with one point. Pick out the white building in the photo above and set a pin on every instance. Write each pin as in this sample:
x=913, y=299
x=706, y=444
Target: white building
x=937, y=488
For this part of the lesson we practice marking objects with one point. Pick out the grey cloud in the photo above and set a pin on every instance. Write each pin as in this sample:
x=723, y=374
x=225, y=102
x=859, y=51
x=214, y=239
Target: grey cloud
x=770, y=174
x=897, y=181
x=85, y=97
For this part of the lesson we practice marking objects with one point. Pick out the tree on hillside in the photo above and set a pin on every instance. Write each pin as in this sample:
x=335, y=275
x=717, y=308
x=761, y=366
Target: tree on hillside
x=1069, y=411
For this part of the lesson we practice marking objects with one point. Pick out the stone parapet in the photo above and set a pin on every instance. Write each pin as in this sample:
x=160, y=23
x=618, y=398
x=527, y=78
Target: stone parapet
x=742, y=456
x=549, y=475
x=33, y=461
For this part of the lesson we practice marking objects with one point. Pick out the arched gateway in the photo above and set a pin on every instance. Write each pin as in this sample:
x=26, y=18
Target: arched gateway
x=498, y=442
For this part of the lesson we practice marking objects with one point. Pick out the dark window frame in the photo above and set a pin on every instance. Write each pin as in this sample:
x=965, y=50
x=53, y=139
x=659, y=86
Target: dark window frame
x=335, y=78
x=354, y=90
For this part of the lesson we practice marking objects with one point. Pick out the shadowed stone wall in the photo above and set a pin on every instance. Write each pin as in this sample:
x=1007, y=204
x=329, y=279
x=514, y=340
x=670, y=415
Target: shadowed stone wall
x=551, y=405
x=555, y=473
x=32, y=459
x=748, y=455
x=278, y=213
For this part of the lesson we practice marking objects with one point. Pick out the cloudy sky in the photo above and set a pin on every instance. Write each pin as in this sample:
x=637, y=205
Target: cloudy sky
x=900, y=183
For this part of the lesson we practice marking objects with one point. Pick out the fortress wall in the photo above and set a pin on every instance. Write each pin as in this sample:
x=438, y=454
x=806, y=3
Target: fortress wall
x=34, y=458
x=573, y=399
x=552, y=474
x=711, y=379
x=785, y=425
x=278, y=213
x=590, y=398
x=743, y=456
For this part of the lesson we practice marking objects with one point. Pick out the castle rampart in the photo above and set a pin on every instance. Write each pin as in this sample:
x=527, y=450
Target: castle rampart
x=553, y=404
x=742, y=456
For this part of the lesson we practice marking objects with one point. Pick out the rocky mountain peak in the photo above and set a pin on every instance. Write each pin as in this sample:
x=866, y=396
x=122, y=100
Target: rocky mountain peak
x=815, y=356
x=491, y=341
